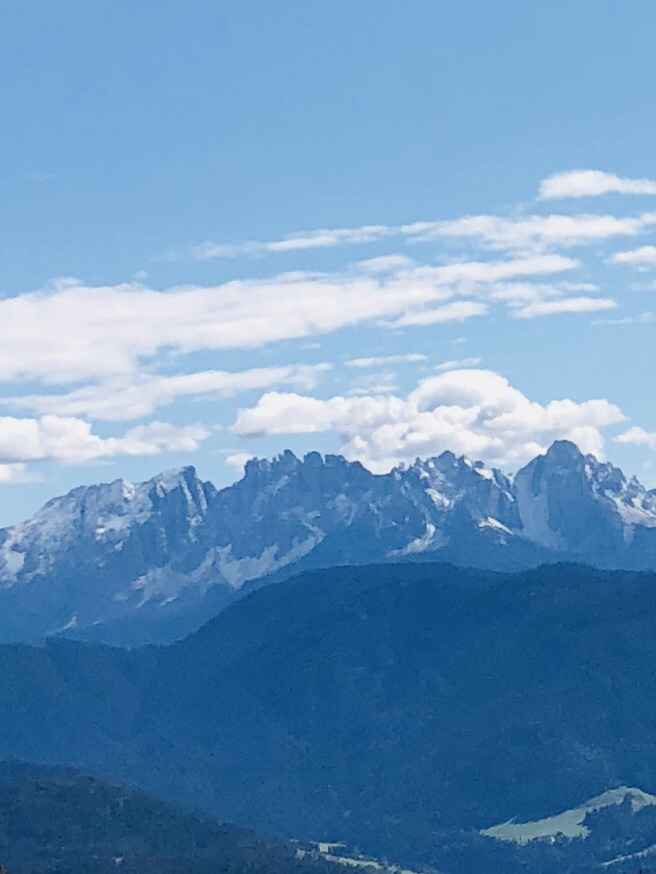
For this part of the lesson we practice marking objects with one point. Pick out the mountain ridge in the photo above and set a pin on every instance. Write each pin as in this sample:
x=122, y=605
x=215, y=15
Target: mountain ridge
x=133, y=563
x=362, y=705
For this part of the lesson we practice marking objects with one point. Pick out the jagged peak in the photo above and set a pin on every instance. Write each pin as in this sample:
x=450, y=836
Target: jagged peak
x=567, y=455
x=125, y=488
x=564, y=450
x=449, y=460
x=287, y=462
x=170, y=479
x=284, y=460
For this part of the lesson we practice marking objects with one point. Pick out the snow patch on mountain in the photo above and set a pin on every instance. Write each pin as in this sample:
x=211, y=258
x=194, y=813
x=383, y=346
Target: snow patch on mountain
x=11, y=559
x=431, y=539
x=237, y=571
x=641, y=854
x=107, y=550
x=569, y=823
x=491, y=522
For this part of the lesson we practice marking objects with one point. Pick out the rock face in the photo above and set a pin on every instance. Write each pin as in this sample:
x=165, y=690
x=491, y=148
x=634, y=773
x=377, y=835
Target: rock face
x=573, y=503
x=104, y=553
x=148, y=562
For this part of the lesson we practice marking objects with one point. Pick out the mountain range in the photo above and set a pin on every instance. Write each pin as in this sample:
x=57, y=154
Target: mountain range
x=132, y=563
x=410, y=710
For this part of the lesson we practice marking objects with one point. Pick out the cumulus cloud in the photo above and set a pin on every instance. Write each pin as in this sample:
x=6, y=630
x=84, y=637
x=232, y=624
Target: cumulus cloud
x=592, y=183
x=122, y=400
x=644, y=257
x=71, y=440
x=474, y=412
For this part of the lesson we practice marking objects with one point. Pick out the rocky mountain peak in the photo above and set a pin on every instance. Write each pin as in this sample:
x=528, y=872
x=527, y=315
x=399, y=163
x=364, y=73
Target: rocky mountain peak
x=110, y=550
x=564, y=452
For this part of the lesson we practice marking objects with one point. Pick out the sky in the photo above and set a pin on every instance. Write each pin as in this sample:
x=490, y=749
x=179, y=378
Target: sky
x=384, y=230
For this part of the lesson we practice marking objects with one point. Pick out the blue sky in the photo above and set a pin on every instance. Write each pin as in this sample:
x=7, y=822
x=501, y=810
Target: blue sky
x=209, y=210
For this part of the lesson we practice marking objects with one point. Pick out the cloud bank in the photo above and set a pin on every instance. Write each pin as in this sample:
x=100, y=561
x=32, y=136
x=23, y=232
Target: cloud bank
x=474, y=412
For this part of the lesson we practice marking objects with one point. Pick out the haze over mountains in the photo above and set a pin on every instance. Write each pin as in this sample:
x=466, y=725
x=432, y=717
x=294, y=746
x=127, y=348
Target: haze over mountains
x=131, y=563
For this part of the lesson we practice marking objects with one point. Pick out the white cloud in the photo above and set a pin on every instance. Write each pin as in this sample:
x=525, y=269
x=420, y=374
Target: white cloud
x=387, y=360
x=638, y=437
x=458, y=364
x=457, y=311
x=238, y=460
x=71, y=333
x=71, y=441
x=384, y=264
x=123, y=400
x=14, y=473
x=525, y=233
x=467, y=275
x=475, y=412
x=564, y=305
x=647, y=318
x=645, y=256
x=592, y=183
x=318, y=239
x=538, y=232
x=377, y=383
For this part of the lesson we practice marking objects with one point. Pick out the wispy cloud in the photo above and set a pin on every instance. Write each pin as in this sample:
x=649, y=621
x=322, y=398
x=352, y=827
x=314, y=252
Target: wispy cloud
x=15, y=473
x=592, y=183
x=122, y=400
x=644, y=257
x=456, y=311
x=638, y=437
x=378, y=383
x=387, y=360
x=527, y=233
x=648, y=318
x=322, y=238
x=457, y=364
x=564, y=305
x=384, y=264
x=540, y=232
x=104, y=333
